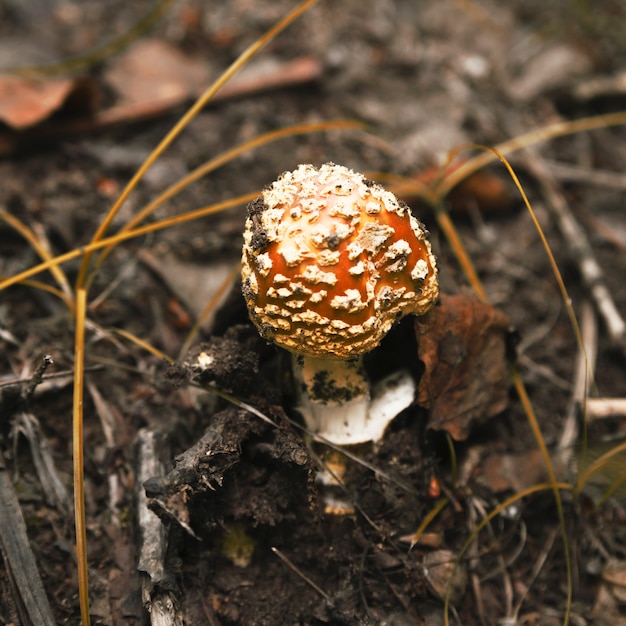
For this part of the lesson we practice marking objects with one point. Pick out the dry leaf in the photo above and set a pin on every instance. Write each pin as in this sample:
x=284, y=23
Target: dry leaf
x=152, y=70
x=462, y=343
x=513, y=472
x=25, y=103
x=481, y=190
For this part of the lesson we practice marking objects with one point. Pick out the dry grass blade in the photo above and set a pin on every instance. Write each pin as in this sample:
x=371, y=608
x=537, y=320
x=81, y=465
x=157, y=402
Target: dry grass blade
x=560, y=129
x=441, y=187
x=77, y=455
x=184, y=121
x=302, y=575
x=36, y=284
x=223, y=158
x=432, y=514
x=483, y=522
x=556, y=486
x=126, y=236
x=597, y=465
x=42, y=251
x=581, y=252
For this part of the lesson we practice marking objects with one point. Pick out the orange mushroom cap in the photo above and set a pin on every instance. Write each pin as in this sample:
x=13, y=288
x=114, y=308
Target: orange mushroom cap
x=331, y=260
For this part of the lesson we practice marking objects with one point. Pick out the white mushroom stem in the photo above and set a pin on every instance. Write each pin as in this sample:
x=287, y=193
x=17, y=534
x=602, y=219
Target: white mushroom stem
x=335, y=400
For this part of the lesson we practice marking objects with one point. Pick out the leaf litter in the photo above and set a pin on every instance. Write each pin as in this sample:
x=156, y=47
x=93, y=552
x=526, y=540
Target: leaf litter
x=224, y=481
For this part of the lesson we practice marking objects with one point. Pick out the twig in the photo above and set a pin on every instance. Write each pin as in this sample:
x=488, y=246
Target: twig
x=302, y=575
x=580, y=250
x=599, y=178
x=583, y=379
x=37, y=378
x=603, y=408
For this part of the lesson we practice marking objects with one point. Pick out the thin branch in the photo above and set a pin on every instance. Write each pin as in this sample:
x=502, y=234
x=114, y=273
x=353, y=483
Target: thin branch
x=580, y=250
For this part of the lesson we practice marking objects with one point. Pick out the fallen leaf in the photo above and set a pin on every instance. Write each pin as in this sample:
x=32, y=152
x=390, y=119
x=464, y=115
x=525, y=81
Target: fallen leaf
x=481, y=190
x=25, y=102
x=462, y=343
x=156, y=76
x=513, y=472
x=154, y=70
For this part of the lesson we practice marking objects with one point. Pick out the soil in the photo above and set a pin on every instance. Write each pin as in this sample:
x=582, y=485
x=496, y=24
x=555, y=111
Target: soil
x=254, y=534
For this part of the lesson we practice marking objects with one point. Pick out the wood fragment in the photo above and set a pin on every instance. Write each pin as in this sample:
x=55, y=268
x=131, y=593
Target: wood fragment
x=158, y=589
x=19, y=559
x=605, y=408
x=601, y=87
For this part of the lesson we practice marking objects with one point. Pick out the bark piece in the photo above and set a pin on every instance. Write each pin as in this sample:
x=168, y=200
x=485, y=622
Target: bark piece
x=19, y=559
x=159, y=591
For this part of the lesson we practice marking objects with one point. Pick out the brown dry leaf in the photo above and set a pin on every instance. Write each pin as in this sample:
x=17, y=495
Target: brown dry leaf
x=152, y=70
x=25, y=102
x=481, y=190
x=462, y=343
x=513, y=472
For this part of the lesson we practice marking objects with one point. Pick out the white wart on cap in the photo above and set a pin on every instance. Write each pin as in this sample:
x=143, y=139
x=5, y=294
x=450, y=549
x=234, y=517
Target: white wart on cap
x=331, y=260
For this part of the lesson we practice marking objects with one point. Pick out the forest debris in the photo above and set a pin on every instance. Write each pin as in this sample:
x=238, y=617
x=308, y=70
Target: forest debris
x=208, y=487
x=583, y=380
x=614, y=576
x=26, y=102
x=611, y=596
x=462, y=343
x=228, y=362
x=19, y=560
x=580, y=250
x=53, y=487
x=603, y=408
x=513, y=472
x=601, y=87
x=153, y=70
x=302, y=575
x=154, y=92
x=444, y=575
x=159, y=590
x=552, y=68
x=267, y=74
x=195, y=285
x=566, y=172
x=481, y=190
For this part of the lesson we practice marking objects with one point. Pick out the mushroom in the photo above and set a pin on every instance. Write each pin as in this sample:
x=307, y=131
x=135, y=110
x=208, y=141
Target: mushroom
x=330, y=262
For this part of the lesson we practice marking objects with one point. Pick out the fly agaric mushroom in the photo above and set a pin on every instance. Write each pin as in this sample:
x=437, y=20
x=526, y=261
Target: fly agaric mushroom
x=330, y=262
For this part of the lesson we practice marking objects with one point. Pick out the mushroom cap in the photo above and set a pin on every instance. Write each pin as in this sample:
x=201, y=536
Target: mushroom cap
x=331, y=260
